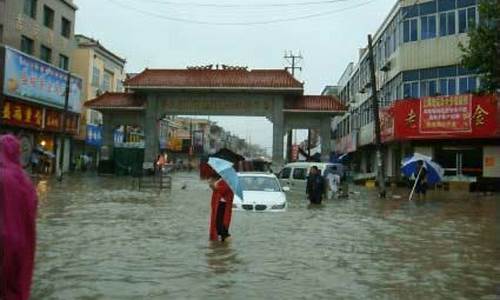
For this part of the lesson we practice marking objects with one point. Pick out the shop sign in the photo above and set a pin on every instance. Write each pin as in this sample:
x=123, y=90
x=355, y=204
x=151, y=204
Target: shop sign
x=72, y=122
x=446, y=114
x=23, y=115
x=30, y=79
x=53, y=120
x=118, y=136
x=462, y=116
x=198, y=141
x=386, y=124
x=94, y=135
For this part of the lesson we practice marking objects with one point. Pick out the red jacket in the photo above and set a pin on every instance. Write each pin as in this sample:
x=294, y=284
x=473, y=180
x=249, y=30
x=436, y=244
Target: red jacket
x=221, y=191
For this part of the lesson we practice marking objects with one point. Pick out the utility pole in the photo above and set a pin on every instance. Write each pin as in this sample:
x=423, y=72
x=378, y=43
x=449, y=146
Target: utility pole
x=376, y=118
x=62, y=136
x=292, y=60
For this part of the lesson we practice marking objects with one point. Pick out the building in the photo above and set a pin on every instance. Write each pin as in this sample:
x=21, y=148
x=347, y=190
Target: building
x=102, y=71
x=37, y=40
x=421, y=86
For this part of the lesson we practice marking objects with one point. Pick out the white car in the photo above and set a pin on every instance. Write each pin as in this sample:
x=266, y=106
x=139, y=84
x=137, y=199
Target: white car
x=261, y=192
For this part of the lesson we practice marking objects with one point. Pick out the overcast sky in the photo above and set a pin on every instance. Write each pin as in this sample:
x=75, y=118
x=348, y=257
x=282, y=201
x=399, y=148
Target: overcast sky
x=145, y=33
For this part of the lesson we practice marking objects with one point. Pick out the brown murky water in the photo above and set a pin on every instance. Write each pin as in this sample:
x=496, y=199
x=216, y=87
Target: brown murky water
x=100, y=239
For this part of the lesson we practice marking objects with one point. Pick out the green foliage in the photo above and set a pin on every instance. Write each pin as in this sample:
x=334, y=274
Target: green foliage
x=483, y=52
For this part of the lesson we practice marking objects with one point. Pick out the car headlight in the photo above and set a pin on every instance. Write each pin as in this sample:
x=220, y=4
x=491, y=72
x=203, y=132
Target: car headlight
x=279, y=206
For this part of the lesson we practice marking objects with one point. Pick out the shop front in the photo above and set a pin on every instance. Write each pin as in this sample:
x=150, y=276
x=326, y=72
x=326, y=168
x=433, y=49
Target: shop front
x=32, y=107
x=460, y=132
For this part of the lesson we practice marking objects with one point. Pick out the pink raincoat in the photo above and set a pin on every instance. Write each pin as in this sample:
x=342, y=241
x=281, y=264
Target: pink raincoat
x=18, y=202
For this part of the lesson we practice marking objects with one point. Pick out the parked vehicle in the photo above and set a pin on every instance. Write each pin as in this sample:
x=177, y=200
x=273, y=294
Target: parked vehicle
x=294, y=175
x=261, y=192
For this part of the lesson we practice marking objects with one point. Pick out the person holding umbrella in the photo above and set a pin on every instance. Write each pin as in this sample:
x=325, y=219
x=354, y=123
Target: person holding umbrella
x=225, y=184
x=425, y=170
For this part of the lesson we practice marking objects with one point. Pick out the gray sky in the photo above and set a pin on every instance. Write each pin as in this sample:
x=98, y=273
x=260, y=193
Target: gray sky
x=140, y=31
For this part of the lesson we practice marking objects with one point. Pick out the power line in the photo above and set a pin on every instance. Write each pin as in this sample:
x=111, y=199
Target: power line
x=247, y=5
x=199, y=22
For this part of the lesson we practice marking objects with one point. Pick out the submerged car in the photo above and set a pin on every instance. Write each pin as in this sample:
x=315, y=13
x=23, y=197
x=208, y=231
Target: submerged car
x=261, y=192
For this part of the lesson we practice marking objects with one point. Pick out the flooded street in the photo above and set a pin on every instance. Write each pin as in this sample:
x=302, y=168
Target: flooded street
x=100, y=239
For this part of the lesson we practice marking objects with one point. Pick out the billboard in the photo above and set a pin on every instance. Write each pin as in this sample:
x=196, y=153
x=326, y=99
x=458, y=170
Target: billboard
x=461, y=116
x=30, y=79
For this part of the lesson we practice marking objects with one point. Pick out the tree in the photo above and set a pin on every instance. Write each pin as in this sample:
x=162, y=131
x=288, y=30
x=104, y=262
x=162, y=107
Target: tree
x=483, y=51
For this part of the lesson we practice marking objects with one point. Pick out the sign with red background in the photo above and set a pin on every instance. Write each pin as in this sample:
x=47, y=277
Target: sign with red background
x=462, y=116
x=21, y=114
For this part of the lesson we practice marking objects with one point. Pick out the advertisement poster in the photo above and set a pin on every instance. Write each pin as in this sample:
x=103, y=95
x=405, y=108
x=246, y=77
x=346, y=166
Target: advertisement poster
x=446, y=114
x=32, y=80
x=94, y=135
x=386, y=124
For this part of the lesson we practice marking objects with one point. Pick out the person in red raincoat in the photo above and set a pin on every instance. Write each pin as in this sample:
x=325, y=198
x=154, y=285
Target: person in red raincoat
x=221, y=209
x=18, y=202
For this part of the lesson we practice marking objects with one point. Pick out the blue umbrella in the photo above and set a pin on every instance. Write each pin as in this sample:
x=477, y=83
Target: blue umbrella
x=410, y=165
x=225, y=169
x=434, y=171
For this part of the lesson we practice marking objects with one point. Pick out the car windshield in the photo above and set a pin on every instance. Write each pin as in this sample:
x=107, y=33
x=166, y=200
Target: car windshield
x=256, y=183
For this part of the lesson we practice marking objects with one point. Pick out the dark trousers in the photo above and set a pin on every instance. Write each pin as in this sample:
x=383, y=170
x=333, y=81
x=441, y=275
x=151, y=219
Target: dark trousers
x=222, y=231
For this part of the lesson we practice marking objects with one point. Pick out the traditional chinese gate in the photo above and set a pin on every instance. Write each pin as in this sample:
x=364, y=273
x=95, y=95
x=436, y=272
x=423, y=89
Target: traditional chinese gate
x=273, y=94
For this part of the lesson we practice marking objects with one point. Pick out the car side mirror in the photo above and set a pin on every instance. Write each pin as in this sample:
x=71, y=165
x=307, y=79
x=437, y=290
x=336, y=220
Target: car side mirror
x=286, y=189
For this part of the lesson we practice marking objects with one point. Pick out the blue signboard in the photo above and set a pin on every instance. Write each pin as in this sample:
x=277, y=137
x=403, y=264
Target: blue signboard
x=33, y=80
x=94, y=135
x=118, y=136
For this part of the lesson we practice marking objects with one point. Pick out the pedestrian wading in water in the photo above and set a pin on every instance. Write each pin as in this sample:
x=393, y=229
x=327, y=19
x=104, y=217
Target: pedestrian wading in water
x=18, y=202
x=315, y=186
x=221, y=208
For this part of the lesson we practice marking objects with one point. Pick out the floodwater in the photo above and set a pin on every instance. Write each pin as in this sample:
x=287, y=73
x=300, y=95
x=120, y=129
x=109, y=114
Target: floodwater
x=98, y=238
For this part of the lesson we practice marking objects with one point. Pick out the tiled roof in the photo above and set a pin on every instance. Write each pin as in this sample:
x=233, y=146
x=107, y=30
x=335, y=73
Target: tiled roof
x=210, y=78
x=315, y=103
x=110, y=100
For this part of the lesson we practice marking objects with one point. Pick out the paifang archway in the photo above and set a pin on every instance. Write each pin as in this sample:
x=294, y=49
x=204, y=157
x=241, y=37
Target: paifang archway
x=274, y=94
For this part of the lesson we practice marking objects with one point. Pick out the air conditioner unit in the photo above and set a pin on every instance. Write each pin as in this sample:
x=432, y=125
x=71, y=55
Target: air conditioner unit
x=386, y=67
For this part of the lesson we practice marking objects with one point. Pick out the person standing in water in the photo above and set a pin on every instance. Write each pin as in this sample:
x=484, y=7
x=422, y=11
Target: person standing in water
x=221, y=209
x=315, y=186
x=421, y=178
x=18, y=203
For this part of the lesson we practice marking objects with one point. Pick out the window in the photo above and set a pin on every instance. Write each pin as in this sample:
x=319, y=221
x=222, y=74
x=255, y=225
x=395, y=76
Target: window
x=45, y=54
x=299, y=173
x=447, y=23
x=119, y=85
x=466, y=19
x=30, y=8
x=285, y=173
x=106, y=81
x=467, y=84
x=428, y=27
x=447, y=86
x=1, y=33
x=63, y=62
x=48, y=17
x=96, y=76
x=410, y=30
x=65, y=27
x=27, y=45
x=428, y=88
x=410, y=90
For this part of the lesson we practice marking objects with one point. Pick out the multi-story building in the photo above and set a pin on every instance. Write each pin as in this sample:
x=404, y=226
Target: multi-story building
x=423, y=87
x=102, y=71
x=36, y=38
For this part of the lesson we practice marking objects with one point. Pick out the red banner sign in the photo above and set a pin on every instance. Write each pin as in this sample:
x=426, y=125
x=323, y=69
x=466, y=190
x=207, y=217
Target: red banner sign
x=462, y=116
x=20, y=114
